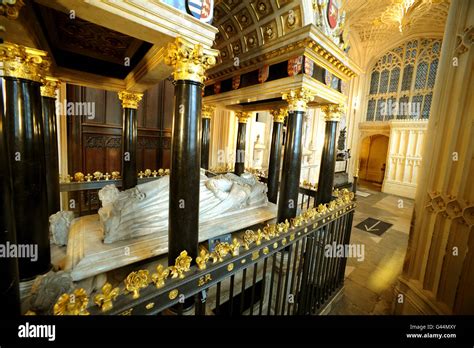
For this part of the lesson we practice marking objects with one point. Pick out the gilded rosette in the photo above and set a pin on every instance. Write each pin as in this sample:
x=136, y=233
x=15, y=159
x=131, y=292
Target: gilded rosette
x=49, y=87
x=130, y=100
x=23, y=62
x=207, y=111
x=72, y=304
x=333, y=112
x=298, y=99
x=189, y=61
x=279, y=115
x=11, y=8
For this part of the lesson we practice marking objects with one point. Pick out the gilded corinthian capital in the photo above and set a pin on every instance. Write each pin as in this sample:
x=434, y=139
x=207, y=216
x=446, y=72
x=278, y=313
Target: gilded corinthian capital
x=333, y=112
x=279, y=115
x=50, y=84
x=130, y=100
x=189, y=61
x=23, y=62
x=243, y=116
x=208, y=111
x=298, y=99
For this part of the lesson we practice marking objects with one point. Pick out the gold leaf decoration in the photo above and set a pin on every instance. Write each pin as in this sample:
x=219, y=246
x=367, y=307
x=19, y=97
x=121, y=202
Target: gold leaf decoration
x=72, y=304
x=160, y=276
x=202, y=259
x=136, y=281
x=182, y=265
x=106, y=298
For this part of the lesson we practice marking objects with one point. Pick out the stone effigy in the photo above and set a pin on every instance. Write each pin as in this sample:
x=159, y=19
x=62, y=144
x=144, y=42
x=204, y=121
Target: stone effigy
x=143, y=209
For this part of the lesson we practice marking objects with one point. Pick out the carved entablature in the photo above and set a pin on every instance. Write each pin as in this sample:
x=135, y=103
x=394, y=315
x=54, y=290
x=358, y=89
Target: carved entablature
x=330, y=19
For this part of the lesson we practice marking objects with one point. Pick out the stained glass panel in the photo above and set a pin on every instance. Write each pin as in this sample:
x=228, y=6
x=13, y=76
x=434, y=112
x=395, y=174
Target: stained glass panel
x=421, y=73
x=403, y=107
x=394, y=77
x=407, y=74
x=374, y=82
x=415, y=107
x=427, y=106
x=370, y=110
x=432, y=74
x=381, y=109
x=383, y=81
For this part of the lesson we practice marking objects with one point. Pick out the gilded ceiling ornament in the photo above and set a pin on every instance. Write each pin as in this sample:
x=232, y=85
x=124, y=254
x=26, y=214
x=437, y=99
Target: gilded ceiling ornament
x=72, y=304
x=23, y=62
x=160, y=276
x=279, y=115
x=136, y=281
x=243, y=116
x=48, y=89
x=298, y=99
x=189, y=61
x=130, y=100
x=333, y=112
x=107, y=297
x=182, y=265
x=207, y=111
x=11, y=8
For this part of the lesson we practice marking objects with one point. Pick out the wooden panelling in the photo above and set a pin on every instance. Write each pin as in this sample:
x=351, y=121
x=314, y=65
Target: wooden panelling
x=95, y=144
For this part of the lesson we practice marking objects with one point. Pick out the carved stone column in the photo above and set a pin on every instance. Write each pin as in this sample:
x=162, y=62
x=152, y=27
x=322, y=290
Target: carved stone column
x=332, y=115
x=48, y=94
x=241, y=135
x=275, y=154
x=130, y=102
x=8, y=265
x=189, y=62
x=438, y=275
x=291, y=171
x=23, y=69
x=207, y=113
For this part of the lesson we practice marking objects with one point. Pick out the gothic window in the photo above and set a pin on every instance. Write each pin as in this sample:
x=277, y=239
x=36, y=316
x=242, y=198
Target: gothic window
x=402, y=81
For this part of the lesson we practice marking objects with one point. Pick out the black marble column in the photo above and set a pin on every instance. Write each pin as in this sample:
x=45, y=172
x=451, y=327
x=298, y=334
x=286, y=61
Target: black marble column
x=51, y=152
x=239, y=167
x=8, y=265
x=27, y=157
x=205, y=141
x=274, y=166
x=130, y=102
x=290, y=178
x=328, y=158
x=183, y=230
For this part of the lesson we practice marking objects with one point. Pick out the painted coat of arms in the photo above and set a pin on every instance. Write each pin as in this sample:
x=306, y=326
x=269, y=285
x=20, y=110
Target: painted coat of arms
x=200, y=9
x=295, y=65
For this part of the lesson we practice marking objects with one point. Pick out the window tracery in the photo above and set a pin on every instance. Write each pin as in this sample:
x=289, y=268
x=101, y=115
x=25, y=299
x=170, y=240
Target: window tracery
x=402, y=81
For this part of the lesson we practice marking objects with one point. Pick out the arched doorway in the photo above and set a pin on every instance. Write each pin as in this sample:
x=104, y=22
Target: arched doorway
x=373, y=159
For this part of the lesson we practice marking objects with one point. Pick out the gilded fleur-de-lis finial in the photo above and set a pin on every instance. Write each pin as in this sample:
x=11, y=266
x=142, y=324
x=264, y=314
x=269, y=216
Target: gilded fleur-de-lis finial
x=202, y=259
x=136, y=281
x=235, y=247
x=72, y=304
x=182, y=265
x=88, y=177
x=160, y=276
x=107, y=297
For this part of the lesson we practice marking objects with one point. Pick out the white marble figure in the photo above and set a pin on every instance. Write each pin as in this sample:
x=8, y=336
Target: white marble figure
x=258, y=149
x=59, y=224
x=144, y=209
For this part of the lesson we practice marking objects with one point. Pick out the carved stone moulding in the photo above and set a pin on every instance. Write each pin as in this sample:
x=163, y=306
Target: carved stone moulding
x=451, y=207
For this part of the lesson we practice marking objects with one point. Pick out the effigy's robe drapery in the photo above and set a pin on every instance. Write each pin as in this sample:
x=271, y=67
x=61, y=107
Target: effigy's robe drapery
x=143, y=209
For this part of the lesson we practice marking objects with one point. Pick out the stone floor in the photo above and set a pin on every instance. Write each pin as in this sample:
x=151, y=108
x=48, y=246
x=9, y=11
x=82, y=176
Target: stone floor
x=369, y=284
